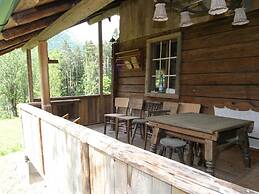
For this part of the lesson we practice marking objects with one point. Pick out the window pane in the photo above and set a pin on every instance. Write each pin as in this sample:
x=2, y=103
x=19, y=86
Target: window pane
x=172, y=82
x=155, y=67
x=173, y=49
x=155, y=50
x=164, y=67
x=165, y=49
x=173, y=67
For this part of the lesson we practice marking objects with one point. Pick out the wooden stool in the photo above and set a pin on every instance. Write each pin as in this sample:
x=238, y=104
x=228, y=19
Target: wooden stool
x=174, y=145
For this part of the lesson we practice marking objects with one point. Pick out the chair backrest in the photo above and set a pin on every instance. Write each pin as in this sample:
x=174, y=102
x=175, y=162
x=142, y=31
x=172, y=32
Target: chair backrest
x=151, y=106
x=66, y=116
x=136, y=106
x=189, y=107
x=77, y=121
x=121, y=103
x=172, y=106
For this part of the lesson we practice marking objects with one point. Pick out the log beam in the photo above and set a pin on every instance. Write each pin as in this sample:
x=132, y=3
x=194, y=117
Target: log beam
x=18, y=31
x=40, y=12
x=30, y=79
x=6, y=44
x=80, y=11
x=44, y=76
x=9, y=49
x=100, y=42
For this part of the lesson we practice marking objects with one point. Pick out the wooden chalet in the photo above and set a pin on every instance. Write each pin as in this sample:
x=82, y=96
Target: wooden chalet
x=213, y=63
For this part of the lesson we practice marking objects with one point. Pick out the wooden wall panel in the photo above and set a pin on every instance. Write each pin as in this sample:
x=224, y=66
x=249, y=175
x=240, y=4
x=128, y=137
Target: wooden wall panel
x=87, y=107
x=220, y=62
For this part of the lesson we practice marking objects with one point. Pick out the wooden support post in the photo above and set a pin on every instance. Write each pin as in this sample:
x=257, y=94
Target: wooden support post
x=115, y=49
x=30, y=79
x=100, y=41
x=44, y=76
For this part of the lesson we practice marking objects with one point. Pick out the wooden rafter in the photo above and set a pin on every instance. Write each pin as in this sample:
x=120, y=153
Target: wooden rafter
x=28, y=28
x=2, y=52
x=40, y=12
x=6, y=44
x=79, y=12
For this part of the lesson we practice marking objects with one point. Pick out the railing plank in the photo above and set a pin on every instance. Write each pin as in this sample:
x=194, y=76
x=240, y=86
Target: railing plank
x=101, y=173
x=121, y=177
x=86, y=189
x=62, y=158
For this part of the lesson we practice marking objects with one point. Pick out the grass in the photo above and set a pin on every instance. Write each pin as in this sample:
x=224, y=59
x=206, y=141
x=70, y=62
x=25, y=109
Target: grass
x=10, y=136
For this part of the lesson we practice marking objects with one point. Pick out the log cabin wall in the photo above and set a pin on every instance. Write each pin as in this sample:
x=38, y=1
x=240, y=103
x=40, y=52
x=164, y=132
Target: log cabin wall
x=220, y=63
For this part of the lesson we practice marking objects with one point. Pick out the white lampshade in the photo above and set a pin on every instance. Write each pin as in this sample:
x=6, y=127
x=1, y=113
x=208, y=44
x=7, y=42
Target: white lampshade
x=185, y=19
x=218, y=7
x=160, y=13
x=240, y=17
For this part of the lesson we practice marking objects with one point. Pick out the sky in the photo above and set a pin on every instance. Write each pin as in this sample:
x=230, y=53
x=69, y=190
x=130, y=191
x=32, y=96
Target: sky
x=83, y=32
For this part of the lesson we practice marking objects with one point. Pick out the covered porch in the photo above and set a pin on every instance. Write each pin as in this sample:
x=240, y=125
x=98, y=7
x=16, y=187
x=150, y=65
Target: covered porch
x=211, y=64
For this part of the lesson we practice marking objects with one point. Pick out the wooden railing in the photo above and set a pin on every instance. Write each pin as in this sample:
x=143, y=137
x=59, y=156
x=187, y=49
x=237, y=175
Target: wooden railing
x=74, y=159
x=88, y=108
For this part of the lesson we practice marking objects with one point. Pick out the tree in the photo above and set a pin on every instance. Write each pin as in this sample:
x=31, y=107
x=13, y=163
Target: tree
x=54, y=75
x=91, y=77
x=71, y=68
x=13, y=85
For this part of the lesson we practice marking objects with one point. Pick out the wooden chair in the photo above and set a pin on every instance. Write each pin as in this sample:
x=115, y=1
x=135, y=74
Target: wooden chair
x=189, y=108
x=121, y=109
x=149, y=108
x=135, y=112
x=171, y=106
x=77, y=120
x=66, y=116
x=194, y=148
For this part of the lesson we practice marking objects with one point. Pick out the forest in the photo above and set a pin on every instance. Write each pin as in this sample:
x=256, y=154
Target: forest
x=77, y=72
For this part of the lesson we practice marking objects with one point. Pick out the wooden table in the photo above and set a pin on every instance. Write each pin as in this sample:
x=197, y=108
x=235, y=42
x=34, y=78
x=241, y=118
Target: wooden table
x=209, y=130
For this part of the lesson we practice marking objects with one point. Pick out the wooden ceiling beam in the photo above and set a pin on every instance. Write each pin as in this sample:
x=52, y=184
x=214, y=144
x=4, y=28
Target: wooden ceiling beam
x=80, y=11
x=40, y=12
x=6, y=44
x=18, y=31
x=2, y=52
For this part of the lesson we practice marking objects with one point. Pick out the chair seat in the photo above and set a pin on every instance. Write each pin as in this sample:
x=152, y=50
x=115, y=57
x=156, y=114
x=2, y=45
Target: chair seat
x=139, y=121
x=127, y=118
x=172, y=142
x=114, y=115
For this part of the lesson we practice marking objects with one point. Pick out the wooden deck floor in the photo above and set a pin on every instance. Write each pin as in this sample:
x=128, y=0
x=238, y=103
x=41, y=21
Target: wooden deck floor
x=229, y=165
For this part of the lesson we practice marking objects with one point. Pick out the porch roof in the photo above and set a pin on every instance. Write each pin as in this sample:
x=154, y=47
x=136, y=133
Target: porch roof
x=30, y=21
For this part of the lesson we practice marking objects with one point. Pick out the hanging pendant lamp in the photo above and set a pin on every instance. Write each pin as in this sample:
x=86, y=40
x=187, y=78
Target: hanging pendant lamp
x=185, y=19
x=218, y=7
x=240, y=17
x=160, y=14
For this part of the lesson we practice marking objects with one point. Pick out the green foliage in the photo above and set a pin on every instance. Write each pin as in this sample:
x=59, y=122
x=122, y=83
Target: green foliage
x=13, y=87
x=77, y=73
x=91, y=77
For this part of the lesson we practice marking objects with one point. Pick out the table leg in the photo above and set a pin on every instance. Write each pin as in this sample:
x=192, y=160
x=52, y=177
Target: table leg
x=145, y=137
x=128, y=128
x=190, y=153
x=210, y=156
x=153, y=146
x=243, y=142
x=116, y=128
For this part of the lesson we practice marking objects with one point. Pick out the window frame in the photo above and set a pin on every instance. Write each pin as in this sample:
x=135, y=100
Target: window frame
x=175, y=36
